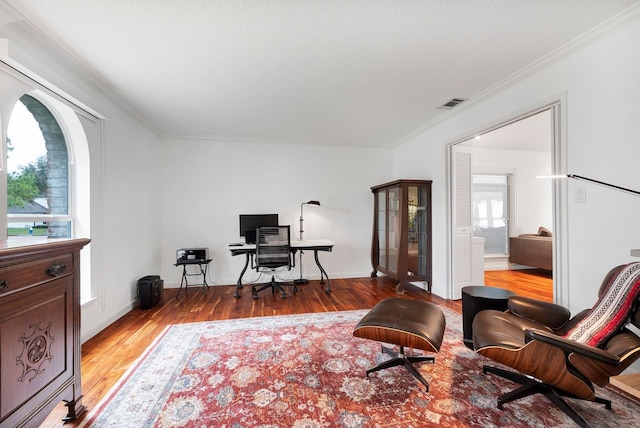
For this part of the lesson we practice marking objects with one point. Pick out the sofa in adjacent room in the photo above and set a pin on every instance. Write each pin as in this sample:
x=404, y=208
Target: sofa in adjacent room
x=532, y=249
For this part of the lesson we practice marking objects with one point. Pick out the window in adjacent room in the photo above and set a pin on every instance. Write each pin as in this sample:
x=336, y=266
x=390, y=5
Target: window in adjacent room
x=38, y=197
x=491, y=212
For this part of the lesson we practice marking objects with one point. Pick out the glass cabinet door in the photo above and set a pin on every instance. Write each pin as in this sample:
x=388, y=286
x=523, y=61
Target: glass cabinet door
x=418, y=231
x=395, y=223
x=382, y=229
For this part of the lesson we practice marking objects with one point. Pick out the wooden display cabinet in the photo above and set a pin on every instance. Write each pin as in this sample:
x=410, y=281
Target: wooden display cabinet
x=401, y=245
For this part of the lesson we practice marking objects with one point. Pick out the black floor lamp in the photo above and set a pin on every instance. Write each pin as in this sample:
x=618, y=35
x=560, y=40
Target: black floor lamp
x=301, y=280
x=634, y=252
x=602, y=183
x=591, y=180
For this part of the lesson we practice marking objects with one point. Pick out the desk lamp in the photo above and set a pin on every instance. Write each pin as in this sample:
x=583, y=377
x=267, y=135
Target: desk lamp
x=302, y=280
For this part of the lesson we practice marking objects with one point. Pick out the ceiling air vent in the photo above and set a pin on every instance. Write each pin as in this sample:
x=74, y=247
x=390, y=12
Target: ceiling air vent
x=452, y=103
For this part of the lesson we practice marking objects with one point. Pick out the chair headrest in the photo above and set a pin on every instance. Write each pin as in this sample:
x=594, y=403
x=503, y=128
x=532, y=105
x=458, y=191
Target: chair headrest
x=635, y=311
x=608, y=278
x=615, y=308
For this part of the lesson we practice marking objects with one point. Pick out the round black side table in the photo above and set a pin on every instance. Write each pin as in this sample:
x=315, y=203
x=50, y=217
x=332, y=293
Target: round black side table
x=476, y=298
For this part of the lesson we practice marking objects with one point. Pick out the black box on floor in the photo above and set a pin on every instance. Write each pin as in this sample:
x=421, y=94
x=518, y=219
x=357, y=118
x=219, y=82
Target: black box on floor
x=150, y=289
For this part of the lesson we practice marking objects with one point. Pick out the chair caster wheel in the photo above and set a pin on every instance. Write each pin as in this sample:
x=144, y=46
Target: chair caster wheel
x=295, y=290
x=255, y=297
x=284, y=295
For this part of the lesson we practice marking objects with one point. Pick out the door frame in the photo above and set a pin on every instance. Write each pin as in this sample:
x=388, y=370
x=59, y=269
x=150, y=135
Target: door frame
x=557, y=107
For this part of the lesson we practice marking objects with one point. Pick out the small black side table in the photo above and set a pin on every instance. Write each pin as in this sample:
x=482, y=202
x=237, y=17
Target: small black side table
x=477, y=298
x=202, y=264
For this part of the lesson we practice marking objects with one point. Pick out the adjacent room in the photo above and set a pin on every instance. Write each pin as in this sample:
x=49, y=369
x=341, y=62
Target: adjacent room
x=319, y=213
x=511, y=207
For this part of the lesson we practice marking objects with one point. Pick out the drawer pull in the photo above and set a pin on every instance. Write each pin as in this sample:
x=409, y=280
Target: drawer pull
x=56, y=269
x=3, y=285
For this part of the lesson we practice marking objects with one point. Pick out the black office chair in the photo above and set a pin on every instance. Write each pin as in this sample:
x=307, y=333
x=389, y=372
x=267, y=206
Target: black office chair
x=273, y=253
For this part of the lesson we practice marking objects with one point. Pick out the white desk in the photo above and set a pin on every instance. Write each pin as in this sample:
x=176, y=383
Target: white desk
x=308, y=244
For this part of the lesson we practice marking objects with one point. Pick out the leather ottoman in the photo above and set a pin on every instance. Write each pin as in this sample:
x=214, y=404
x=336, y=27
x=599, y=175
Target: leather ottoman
x=406, y=323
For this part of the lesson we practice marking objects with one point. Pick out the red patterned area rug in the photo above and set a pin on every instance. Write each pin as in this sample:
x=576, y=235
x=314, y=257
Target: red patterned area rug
x=309, y=371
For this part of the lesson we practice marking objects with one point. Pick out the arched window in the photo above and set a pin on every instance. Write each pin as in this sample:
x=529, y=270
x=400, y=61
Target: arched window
x=69, y=197
x=38, y=178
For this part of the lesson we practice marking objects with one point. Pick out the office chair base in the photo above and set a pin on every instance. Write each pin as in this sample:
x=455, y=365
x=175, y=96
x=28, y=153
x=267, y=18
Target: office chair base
x=400, y=359
x=531, y=386
x=273, y=285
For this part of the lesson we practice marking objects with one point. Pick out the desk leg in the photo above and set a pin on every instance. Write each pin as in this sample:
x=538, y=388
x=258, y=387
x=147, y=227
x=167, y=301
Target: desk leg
x=239, y=283
x=322, y=273
x=205, y=286
x=183, y=281
x=300, y=280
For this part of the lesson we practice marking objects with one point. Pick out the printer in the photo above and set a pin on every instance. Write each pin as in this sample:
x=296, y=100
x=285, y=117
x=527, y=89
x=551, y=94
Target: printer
x=192, y=255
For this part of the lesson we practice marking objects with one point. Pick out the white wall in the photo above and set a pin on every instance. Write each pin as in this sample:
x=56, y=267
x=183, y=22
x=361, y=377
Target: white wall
x=124, y=187
x=129, y=220
x=207, y=184
x=533, y=204
x=600, y=130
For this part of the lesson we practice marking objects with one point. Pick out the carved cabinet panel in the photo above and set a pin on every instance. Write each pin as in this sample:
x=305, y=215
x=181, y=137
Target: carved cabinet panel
x=39, y=331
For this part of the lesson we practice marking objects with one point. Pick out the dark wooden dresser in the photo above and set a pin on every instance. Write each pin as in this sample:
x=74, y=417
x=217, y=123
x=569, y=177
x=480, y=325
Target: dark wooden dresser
x=39, y=330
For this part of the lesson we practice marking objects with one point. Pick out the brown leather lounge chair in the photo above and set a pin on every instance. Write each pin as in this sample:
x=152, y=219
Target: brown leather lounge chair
x=530, y=338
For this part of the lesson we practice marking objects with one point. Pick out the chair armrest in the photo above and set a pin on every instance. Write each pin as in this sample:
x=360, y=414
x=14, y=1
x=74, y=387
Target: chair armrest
x=572, y=346
x=545, y=313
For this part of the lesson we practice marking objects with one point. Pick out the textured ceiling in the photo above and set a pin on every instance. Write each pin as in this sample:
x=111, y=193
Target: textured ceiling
x=339, y=72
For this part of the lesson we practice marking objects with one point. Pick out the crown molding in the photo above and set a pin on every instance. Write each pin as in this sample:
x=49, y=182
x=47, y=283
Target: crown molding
x=233, y=139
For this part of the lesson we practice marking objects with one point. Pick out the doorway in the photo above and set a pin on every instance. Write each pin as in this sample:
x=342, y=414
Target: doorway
x=503, y=161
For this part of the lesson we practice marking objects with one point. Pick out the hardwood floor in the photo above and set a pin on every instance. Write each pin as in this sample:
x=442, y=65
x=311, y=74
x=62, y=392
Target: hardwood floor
x=536, y=283
x=108, y=355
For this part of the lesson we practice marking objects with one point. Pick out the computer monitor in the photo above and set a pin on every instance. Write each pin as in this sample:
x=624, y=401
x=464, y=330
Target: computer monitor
x=250, y=222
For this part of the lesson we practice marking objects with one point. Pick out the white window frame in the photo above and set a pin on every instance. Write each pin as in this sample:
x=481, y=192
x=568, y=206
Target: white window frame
x=70, y=215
